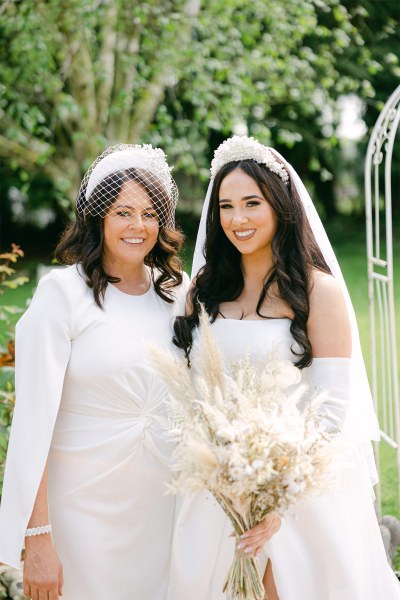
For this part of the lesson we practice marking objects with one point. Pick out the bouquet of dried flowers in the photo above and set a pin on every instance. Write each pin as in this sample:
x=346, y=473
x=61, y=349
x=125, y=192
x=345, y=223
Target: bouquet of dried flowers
x=242, y=436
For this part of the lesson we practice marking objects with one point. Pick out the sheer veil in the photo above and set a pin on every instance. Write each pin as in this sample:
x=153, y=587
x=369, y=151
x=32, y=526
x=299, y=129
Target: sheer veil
x=361, y=421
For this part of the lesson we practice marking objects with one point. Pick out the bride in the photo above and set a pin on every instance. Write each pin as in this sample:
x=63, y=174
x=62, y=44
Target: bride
x=269, y=281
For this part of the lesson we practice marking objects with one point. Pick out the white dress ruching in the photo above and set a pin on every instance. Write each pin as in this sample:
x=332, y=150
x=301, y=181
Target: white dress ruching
x=330, y=549
x=88, y=399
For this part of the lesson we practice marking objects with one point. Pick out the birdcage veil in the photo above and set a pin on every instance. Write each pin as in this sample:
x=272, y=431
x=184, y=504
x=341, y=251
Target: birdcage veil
x=142, y=172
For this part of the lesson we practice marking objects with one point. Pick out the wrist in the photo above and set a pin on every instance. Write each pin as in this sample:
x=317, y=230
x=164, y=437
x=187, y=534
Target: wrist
x=39, y=530
x=38, y=542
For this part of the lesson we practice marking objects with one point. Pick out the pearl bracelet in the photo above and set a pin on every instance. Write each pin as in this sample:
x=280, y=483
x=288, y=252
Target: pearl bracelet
x=38, y=530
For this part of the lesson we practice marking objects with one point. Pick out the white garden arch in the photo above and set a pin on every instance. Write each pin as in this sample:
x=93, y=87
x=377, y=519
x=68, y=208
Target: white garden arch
x=378, y=203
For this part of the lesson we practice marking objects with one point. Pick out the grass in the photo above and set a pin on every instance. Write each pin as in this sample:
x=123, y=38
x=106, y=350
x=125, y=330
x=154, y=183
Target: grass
x=350, y=249
x=349, y=243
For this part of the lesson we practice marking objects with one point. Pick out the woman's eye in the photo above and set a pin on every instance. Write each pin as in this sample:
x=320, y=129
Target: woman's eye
x=123, y=213
x=150, y=215
x=253, y=203
x=225, y=206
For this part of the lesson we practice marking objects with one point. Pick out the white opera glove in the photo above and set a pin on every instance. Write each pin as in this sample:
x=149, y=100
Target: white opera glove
x=331, y=378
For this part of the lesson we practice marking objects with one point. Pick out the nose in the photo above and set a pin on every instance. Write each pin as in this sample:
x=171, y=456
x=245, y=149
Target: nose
x=136, y=221
x=239, y=217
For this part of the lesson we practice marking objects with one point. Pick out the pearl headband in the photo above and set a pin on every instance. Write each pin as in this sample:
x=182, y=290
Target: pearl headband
x=246, y=148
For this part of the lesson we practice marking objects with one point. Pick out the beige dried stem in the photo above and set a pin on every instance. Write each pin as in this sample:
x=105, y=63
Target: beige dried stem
x=173, y=372
x=211, y=362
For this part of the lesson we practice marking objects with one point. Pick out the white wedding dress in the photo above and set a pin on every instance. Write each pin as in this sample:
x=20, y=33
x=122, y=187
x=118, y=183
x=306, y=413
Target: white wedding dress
x=88, y=398
x=330, y=550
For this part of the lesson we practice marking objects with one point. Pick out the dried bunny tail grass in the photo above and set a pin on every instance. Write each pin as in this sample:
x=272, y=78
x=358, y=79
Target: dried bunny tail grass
x=198, y=452
x=196, y=464
x=180, y=384
x=211, y=362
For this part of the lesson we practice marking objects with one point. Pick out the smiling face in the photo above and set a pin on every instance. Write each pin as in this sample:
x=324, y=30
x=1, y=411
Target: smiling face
x=247, y=219
x=130, y=228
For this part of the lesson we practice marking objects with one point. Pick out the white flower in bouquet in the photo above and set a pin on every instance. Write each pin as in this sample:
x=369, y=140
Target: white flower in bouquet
x=242, y=436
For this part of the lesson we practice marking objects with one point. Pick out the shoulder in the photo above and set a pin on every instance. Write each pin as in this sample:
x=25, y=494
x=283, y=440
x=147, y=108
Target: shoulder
x=181, y=293
x=185, y=281
x=325, y=290
x=61, y=285
x=63, y=275
x=69, y=279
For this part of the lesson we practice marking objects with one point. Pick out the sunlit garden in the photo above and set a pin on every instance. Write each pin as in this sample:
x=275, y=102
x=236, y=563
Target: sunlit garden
x=306, y=77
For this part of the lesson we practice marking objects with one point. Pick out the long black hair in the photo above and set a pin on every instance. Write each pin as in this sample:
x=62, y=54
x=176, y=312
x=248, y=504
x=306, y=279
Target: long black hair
x=82, y=242
x=294, y=251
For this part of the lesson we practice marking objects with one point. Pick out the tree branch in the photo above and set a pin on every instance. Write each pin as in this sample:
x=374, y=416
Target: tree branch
x=124, y=84
x=29, y=155
x=146, y=107
x=78, y=71
x=106, y=60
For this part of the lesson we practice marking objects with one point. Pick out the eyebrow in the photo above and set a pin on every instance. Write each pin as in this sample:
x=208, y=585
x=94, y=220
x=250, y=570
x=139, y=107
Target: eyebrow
x=132, y=208
x=244, y=198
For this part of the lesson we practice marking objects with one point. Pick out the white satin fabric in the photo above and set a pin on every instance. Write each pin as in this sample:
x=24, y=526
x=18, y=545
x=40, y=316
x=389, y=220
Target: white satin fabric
x=331, y=549
x=88, y=399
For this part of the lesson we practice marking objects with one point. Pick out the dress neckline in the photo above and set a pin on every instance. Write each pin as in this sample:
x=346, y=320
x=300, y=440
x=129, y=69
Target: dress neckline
x=126, y=295
x=269, y=319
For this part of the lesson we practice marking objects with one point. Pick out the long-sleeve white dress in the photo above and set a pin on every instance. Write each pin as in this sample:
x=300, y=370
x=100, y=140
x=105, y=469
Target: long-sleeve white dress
x=88, y=401
x=331, y=549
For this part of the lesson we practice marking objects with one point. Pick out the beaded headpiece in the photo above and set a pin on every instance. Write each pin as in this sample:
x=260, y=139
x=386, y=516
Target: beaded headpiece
x=241, y=147
x=147, y=170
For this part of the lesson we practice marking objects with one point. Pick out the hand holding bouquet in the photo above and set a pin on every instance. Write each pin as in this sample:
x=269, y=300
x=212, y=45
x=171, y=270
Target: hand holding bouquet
x=242, y=437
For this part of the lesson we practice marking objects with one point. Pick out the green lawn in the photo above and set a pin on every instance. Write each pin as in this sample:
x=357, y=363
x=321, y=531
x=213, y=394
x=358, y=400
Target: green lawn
x=351, y=253
x=350, y=249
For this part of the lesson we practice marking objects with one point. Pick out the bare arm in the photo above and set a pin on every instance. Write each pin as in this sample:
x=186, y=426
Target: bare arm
x=328, y=325
x=43, y=576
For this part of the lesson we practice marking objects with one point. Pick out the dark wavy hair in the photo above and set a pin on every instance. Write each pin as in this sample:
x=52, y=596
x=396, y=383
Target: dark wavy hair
x=294, y=251
x=82, y=241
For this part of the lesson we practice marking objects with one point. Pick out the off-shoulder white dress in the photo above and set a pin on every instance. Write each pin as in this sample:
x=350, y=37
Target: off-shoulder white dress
x=331, y=549
x=89, y=400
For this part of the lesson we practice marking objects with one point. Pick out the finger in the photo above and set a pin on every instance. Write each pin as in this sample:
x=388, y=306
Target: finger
x=258, y=540
x=268, y=531
x=27, y=590
x=43, y=594
x=265, y=527
x=53, y=595
x=255, y=540
x=61, y=582
x=258, y=550
x=255, y=530
x=34, y=593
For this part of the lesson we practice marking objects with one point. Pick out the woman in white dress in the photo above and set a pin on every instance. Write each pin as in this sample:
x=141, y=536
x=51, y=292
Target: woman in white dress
x=88, y=454
x=269, y=280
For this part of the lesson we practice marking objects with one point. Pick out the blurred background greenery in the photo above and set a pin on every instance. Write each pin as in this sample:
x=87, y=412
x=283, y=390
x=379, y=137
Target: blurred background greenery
x=308, y=77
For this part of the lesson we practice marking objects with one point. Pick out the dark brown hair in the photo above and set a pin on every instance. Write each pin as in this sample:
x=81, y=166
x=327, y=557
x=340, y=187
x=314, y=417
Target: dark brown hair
x=294, y=252
x=82, y=241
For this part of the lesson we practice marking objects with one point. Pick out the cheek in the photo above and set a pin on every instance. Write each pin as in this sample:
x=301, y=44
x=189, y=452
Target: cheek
x=224, y=219
x=107, y=231
x=268, y=219
x=152, y=229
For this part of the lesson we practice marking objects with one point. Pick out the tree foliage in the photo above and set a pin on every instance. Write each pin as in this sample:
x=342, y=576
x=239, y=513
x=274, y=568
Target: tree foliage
x=78, y=75
x=8, y=280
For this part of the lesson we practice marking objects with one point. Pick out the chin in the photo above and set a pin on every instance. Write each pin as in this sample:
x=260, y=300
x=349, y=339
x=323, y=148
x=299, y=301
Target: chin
x=244, y=250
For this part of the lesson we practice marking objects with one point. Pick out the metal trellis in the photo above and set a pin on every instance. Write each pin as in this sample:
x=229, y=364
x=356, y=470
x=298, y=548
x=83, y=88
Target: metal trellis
x=378, y=204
